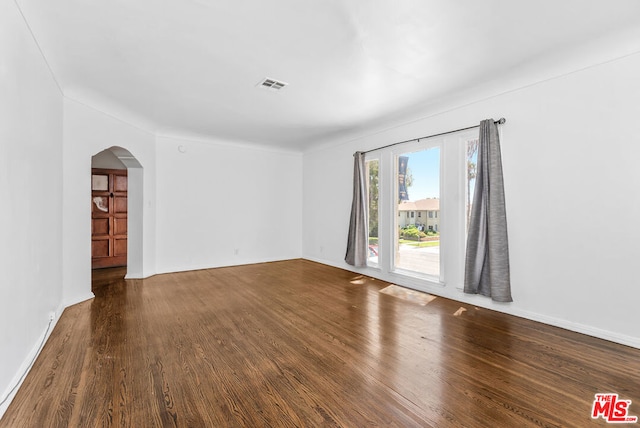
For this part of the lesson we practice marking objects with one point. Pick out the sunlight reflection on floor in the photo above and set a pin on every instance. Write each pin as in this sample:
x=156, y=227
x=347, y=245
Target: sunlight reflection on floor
x=407, y=294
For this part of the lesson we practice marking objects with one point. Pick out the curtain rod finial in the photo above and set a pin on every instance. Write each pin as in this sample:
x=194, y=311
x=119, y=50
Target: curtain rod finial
x=501, y=121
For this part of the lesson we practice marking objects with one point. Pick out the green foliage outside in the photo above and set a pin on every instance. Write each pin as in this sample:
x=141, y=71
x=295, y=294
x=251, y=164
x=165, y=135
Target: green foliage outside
x=411, y=232
x=373, y=167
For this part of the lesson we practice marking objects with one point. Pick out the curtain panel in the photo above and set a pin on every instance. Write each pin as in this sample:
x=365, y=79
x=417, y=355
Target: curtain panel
x=487, y=257
x=357, y=241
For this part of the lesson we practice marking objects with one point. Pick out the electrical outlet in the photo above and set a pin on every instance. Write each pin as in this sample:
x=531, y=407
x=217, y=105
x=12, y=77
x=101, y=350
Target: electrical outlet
x=236, y=251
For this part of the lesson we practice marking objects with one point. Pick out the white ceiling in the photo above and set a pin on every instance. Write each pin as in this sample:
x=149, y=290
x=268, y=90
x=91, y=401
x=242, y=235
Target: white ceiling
x=190, y=67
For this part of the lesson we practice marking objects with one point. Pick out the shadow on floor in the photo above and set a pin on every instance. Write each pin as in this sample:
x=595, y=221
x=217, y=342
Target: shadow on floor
x=101, y=278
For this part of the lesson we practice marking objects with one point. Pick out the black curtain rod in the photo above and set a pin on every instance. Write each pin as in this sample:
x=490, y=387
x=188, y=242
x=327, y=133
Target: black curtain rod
x=497, y=122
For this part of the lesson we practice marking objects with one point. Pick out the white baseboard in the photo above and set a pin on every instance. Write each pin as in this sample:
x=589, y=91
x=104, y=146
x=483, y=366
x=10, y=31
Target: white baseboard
x=228, y=263
x=611, y=336
x=77, y=299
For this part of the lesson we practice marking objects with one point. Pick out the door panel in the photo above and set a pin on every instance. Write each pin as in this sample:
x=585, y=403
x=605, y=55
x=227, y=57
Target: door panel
x=120, y=247
x=120, y=183
x=120, y=226
x=99, y=182
x=120, y=204
x=100, y=226
x=108, y=218
x=100, y=248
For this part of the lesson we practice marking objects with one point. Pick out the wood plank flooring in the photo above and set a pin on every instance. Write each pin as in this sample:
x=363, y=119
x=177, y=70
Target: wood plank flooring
x=299, y=344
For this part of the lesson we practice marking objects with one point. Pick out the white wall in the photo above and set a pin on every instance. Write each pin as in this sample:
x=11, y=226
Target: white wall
x=570, y=154
x=87, y=132
x=30, y=197
x=221, y=204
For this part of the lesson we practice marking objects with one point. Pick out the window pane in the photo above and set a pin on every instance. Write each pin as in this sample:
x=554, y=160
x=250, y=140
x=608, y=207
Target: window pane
x=417, y=246
x=100, y=182
x=472, y=165
x=373, y=191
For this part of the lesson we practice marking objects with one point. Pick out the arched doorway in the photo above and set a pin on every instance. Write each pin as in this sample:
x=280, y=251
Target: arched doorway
x=117, y=210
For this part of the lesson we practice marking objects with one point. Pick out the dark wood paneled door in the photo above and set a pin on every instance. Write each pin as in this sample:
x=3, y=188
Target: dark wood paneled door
x=108, y=218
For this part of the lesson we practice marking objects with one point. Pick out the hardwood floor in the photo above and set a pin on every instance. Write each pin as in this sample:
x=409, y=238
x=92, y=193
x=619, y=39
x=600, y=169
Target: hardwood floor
x=297, y=344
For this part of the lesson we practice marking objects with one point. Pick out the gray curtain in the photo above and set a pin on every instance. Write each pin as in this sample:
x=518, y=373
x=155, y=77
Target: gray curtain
x=487, y=260
x=357, y=245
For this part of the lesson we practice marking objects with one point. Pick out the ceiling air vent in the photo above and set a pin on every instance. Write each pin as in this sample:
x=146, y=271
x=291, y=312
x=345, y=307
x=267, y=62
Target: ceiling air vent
x=272, y=84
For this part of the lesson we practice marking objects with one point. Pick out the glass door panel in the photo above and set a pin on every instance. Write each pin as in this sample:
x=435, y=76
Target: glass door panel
x=417, y=213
